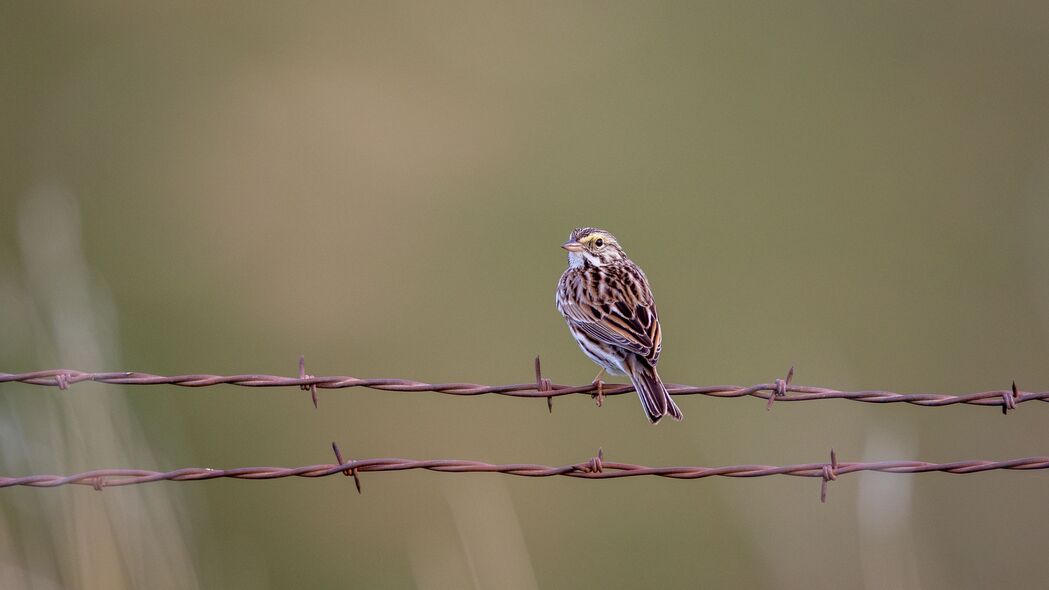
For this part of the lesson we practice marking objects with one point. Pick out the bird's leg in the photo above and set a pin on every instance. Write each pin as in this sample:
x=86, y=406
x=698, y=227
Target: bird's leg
x=599, y=397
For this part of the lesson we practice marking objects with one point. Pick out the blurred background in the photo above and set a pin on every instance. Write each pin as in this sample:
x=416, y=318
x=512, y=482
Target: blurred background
x=858, y=190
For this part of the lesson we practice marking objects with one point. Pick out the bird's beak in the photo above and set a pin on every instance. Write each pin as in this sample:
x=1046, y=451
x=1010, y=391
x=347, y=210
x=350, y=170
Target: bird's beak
x=572, y=246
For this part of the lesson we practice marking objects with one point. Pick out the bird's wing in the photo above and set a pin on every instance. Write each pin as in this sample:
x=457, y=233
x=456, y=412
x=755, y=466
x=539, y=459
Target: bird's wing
x=621, y=319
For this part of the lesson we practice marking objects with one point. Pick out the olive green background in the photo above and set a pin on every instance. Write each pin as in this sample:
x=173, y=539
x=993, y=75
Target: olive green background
x=857, y=189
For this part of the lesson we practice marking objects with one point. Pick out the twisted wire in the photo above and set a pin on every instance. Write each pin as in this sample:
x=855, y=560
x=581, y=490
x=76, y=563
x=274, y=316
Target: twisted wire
x=596, y=468
x=779, y=390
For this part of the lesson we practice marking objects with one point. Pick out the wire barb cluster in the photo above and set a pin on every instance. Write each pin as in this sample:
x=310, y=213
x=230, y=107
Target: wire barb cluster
x=779, y=390
x=596, y=467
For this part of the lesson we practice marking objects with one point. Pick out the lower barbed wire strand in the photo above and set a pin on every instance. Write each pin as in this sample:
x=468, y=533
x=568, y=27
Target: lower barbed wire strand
x=608, y=470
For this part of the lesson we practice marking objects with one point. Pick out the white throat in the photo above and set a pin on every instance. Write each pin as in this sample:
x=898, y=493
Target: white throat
x=575, y=259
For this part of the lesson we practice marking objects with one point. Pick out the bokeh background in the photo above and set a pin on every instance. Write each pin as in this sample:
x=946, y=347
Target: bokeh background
x=857, y=189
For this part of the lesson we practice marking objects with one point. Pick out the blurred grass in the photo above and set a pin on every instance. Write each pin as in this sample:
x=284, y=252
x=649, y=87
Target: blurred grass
x=854, y=189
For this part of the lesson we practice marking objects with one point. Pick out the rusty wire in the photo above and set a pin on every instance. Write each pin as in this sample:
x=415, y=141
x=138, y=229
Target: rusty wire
x=781, y=389
x=595, y=468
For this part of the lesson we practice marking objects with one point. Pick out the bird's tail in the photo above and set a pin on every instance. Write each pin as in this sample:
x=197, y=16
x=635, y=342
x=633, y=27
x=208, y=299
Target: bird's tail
x=654, y=397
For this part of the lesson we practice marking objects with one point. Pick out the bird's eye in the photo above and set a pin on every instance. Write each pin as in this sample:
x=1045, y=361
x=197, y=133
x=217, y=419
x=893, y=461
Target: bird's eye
x=599, y=242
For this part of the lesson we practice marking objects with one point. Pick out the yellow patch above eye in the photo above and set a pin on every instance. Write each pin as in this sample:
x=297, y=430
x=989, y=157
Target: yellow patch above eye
x=591, y=237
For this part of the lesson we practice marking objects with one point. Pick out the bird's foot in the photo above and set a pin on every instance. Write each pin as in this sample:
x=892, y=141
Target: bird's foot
x=599, y=395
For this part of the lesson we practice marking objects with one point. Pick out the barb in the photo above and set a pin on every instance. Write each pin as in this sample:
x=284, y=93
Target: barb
x=594, y=468
x=542, y=385
x=780, y=390
x=830, y=473
x=347, y=472
x=312, y=388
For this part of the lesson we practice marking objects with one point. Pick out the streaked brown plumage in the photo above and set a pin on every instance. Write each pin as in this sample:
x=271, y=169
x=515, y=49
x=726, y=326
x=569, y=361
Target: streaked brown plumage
x=606, y=300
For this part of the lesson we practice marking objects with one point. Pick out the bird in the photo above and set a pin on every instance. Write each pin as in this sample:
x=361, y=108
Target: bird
x=606, y=301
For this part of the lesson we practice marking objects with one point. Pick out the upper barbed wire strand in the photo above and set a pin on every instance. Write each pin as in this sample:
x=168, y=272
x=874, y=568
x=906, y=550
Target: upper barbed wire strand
x=63, y=378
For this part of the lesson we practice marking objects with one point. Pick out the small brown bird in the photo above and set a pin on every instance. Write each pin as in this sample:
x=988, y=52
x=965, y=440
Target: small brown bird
x=608, y=305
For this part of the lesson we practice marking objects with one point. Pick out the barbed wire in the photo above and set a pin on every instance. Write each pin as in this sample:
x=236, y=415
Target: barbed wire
x=595, y=468
x=781, y=389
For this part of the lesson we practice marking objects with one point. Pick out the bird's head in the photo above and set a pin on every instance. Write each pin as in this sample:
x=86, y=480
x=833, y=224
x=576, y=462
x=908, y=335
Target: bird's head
x=590, y=246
